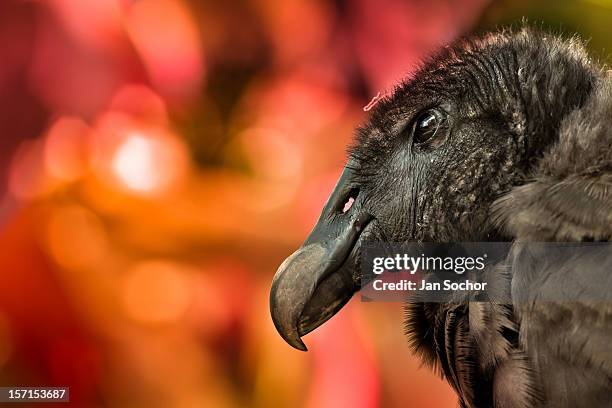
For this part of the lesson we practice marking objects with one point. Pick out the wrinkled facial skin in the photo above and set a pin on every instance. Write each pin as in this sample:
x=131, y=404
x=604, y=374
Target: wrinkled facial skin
x=422, y=192
x=500, y=108
x=502, y=98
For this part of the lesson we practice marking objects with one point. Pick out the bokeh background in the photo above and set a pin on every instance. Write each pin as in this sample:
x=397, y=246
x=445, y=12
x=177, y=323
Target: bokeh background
x=160, y=158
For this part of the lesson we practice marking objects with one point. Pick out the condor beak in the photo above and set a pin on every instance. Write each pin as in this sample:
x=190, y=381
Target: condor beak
x=319, y=278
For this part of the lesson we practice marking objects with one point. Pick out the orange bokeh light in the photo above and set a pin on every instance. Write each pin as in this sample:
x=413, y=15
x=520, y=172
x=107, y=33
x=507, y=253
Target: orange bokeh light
x=157, y=291
x=66, y=149
x=76, y=238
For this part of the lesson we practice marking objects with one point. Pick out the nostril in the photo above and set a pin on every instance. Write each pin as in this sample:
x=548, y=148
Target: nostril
x=348, y=204
x=350, y=199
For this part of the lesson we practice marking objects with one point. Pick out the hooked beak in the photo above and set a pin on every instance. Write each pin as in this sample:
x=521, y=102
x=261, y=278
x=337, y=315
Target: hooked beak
x=318, y=279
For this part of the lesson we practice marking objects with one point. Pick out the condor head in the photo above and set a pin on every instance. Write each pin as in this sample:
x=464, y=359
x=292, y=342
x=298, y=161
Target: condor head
x=430, y=162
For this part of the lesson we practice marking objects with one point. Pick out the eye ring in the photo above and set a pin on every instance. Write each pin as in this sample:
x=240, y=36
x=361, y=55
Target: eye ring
x=429, y=125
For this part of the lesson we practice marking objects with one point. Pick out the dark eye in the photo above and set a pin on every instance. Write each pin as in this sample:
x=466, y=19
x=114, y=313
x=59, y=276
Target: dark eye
x=429, y=124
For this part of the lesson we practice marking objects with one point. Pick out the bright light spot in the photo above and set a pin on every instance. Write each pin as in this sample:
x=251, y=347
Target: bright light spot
x=134, y=163
x=140, y=159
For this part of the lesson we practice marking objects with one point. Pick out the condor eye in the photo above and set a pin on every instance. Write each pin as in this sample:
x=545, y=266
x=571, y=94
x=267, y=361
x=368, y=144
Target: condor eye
x=428, y=124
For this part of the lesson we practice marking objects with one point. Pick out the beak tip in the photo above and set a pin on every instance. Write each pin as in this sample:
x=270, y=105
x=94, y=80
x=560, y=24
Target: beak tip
x=293, y=339
x=299, y=344
x=289, y=333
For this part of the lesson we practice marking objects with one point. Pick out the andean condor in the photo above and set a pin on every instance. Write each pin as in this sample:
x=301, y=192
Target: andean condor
x=506, y=137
